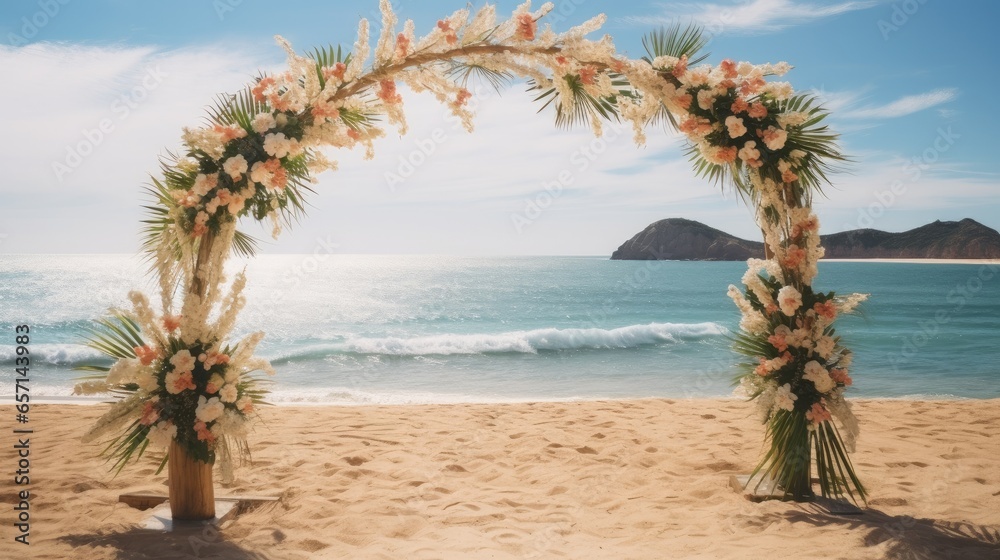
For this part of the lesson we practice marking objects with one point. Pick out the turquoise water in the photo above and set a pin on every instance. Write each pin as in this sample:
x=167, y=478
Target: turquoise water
x=394, y=329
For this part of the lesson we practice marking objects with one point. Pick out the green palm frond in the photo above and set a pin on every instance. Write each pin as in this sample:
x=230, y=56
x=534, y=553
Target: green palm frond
x=462, y=72
x=237, y=109
x=585, y=106
x=326, y=57
x=721, y=175
x=244, y=245
x=115, y=337
x=676, y=41
x=814, y=138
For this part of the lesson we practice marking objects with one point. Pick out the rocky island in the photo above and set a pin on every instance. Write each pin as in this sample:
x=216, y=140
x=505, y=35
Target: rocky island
x=688, y=240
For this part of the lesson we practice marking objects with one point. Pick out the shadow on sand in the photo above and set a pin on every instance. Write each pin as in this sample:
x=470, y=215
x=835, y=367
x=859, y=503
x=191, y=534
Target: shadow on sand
x=905, y=537
x=193, y=542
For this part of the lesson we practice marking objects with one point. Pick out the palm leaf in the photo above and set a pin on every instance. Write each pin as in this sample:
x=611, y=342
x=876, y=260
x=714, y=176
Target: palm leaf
x=586, y=107
x=237, y=109
x=676, y=41
x=115, y=337
x=327, y=57
x=463, y=72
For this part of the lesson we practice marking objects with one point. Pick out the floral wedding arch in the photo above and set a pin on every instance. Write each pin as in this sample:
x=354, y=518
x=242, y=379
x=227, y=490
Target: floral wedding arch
x=184, y=386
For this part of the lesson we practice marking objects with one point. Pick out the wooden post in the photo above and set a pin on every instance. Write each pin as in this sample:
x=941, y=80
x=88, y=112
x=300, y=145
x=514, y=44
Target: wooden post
x=192, y=495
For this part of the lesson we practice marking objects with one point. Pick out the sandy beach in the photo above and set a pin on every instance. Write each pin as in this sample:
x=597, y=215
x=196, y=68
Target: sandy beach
x=600, y=479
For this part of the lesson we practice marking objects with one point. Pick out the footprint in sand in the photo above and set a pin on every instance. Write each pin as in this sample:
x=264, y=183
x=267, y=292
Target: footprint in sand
x=888, y=502
x=354, y=461
x=586, y=450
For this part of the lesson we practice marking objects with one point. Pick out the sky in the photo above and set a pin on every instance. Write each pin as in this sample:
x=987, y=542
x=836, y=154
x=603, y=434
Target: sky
x=96, y=92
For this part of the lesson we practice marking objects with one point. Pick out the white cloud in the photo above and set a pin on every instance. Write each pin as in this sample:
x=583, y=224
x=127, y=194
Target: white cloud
x=903, y=106
x=748, y=16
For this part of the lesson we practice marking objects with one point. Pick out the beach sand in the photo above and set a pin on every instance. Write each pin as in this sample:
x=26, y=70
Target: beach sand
x=601, y=479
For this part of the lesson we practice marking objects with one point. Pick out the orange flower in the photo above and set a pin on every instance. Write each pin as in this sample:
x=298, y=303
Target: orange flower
x=526, y=27
x=321, y=112
x=402, y=45
x=587, y=75
x=681, y=67
x=818, y=414
x=146, y=354
x=171, y=322
x=728, y=68
x=449, y=33
x=684, y=100
x=750, y=87
x=827, y=310
x=181, y=382
x=149, y=414
x=263, y=84
x=462, y=98
x=794, y=256
x=336, y=72
x=758, y=110
x=387, y=92
x=739, y=105
x=728, y=154
x=840, y=376
x=204, y=434
x=788, y=176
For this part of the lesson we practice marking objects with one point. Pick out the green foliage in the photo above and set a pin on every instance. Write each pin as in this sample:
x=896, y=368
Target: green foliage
x=676, y=41
x=586, y=107
x=464, y=72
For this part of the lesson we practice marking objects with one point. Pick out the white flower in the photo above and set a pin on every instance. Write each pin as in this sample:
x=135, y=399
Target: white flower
x=790, y=300
x=209, y=409
x=784, y=398
x=161, y=434
x=146, y=381
x=775, y=139
x=749, y=151
x=123, y=371
x=819, y=376
x=825, y=346
x=735, y=126
x=800, y=338
x=91, y=388
x=183, y=361
x=204, y=183
x=235, y=166
x=277, y=145
x=665, y=62
x=228, y=393
x=245, y=404
x=263, y=122
x=706, y=98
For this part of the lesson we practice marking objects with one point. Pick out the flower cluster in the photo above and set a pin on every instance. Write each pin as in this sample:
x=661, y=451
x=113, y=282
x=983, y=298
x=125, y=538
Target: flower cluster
x=770, y=143
x=183, y=382
x=800, y=362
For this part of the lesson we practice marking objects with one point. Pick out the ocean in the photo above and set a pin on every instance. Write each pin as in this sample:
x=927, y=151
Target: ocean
x=345, y=329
